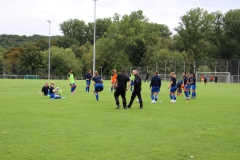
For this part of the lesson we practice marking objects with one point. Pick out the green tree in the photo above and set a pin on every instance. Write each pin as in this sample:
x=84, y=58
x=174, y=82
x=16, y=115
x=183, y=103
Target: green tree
x=31, y=58
x=195, y=31
x=62, y=60
x=67, y=42
x=231, y=22
x=2, y=51
x=74, y=28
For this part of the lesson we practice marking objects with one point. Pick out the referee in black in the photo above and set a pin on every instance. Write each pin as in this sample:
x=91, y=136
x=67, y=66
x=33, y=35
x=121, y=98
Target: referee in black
x=121, y=88
x=137, y=90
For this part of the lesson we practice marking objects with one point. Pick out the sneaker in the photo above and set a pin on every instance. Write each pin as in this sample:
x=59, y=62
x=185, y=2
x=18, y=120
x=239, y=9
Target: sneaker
x=118, y=107
x=153, y=101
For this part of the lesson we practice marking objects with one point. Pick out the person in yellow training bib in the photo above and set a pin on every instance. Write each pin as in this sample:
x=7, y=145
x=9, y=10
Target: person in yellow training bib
x=71, y=81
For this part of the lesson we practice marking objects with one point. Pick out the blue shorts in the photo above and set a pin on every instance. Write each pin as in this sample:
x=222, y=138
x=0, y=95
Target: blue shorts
x=187, y=86
x=55, y=96
x=155, y=89
x=132, y=83
x=173, y=88
x=74, y=84
x=98, y=87
x=194, y=86
x=88, y=82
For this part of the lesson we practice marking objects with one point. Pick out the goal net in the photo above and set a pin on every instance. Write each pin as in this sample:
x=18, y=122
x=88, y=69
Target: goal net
x=222, y=76
x=31, y=77
x=9, y=76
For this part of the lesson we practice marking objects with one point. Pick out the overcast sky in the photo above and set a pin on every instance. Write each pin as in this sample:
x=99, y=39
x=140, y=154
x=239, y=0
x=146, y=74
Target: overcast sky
x=28, y=17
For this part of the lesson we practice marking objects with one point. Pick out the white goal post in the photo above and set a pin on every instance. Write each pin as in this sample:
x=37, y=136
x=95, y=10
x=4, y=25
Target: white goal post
x=31, y=77
x=222, y=76
x=9, y=76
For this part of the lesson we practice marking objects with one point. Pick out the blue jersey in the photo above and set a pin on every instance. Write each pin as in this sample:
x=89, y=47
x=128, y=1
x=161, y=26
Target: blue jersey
x=173, y=80
x=190, y=80
x=185, y=80
x=97, y=79
x=88, y=76
x=156, y=81
x=193, y=82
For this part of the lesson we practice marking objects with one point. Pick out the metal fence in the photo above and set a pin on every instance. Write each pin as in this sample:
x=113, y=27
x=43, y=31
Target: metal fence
x=9, y=70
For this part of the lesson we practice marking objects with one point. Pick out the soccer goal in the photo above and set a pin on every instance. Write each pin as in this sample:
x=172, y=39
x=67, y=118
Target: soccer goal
x=10, y=76
x=31, y=76
x=222, y=76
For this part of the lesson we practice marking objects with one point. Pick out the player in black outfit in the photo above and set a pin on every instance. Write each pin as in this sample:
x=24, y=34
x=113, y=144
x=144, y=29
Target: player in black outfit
x=45, y=90
x=147, y=75
x=216, y=78
x=121, y=88
x=137, y=90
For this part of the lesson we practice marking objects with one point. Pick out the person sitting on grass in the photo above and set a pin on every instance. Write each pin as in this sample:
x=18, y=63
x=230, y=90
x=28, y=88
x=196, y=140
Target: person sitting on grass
x=45, y=90
x=53, y=92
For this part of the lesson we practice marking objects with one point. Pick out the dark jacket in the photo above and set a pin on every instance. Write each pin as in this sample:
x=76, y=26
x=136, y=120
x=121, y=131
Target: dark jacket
x=156, y=81
x=137, y=83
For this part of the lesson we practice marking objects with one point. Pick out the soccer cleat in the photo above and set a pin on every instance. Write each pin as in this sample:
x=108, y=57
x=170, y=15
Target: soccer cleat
x=125, y=107
x=118, y=107
x=141, y=107
x=153, y=101
x=129, y=106
x=172, y=101
x=188, y=98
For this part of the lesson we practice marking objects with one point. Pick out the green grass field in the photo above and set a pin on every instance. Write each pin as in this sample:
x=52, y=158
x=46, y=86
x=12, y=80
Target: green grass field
x=36, y=127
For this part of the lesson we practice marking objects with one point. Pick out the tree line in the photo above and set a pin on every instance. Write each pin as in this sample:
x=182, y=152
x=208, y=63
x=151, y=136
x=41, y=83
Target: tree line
x=128, y=40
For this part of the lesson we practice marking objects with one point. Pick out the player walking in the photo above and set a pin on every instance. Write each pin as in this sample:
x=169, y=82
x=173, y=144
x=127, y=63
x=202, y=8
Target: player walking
x=155, y=86
x=71, y=81
x=137, y=90
x=113, y=78
x=88, y=77
x=173, y=87
x=121, y=88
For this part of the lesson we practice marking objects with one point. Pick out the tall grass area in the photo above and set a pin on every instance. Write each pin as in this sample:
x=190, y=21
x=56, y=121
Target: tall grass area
x=36, y=127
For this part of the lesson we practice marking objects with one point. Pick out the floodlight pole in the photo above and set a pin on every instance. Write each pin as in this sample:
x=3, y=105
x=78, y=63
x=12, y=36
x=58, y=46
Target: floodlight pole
x=49, y=51
x=3, y=72
x=94, y=36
